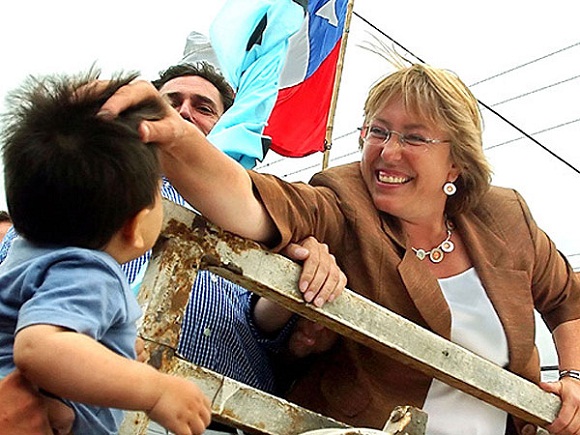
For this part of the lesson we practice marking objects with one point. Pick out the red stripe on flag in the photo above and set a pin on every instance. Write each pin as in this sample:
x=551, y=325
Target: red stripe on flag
x=298, y=121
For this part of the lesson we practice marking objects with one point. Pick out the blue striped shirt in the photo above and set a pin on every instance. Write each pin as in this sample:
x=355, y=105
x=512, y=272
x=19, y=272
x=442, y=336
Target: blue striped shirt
x=7, y=242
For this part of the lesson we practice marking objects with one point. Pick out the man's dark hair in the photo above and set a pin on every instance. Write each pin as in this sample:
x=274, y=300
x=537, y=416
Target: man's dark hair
x=71, y=177
x=5, y=216
x=204, y=70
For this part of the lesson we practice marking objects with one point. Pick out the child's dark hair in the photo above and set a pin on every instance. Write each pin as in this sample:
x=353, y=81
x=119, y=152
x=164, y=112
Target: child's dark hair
x=71, y=177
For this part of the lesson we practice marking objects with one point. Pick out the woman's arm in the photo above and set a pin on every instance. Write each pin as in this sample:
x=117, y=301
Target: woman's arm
x=212, y=182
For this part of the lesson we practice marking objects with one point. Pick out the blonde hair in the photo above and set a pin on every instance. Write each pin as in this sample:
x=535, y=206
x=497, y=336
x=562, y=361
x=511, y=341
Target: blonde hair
x=441, y=98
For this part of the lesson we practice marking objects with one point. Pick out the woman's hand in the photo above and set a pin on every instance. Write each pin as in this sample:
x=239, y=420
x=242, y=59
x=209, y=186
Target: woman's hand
x=321, y=280
x=166, y=131
x=568, y=420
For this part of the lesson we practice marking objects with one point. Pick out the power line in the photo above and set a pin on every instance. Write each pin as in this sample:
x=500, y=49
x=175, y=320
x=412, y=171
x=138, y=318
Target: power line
x=537, y=132
x=527, y=63
x=503, y=118
x=275, y=162
x=283, y=159
x=533, y=139
x=332, y=159
x=342, y=156
x=307, y=168
x=536, y=90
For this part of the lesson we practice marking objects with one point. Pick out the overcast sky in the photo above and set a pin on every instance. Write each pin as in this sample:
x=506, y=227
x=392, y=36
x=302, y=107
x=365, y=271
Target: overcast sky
x=539, y=41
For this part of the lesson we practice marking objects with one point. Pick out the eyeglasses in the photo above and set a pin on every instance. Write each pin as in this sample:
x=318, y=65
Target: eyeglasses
x=375, y=135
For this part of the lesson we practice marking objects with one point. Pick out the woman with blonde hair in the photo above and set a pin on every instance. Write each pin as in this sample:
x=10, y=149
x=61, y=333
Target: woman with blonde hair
x=417, y=228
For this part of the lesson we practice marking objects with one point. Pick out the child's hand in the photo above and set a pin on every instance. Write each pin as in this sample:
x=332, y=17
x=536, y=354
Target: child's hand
x=182, y=407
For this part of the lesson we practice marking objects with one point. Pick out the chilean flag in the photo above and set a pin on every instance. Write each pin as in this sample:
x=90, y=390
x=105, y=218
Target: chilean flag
x=251, y=40
x=298, y=121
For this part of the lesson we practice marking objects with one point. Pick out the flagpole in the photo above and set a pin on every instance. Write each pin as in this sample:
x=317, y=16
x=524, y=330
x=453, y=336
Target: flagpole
x=337, y=77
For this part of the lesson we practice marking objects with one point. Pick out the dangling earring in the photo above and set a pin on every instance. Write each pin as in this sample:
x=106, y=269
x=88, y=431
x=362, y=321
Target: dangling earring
x=449, y=188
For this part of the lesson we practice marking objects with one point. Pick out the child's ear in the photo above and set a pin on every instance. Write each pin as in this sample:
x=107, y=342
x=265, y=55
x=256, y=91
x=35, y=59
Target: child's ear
x=132, y=231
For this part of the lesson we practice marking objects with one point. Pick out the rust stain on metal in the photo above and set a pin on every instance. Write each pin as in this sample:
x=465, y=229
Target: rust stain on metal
x=234, y=268
x=294, y=414
x=210, y=260
x=181, y=296
x=229, y=413
x=174, y=228
x=260, y=425
x=206, y=234
x=238, y=244
x=155, y=358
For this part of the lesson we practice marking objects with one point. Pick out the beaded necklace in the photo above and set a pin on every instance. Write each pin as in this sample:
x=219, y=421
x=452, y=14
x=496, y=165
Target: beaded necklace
x=437, y=254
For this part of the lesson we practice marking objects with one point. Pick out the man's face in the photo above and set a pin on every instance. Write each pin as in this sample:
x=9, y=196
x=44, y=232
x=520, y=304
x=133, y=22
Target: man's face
x=196, y=100
x=4, y=227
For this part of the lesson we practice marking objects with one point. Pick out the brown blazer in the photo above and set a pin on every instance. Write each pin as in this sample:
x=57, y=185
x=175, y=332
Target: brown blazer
x=519, y=267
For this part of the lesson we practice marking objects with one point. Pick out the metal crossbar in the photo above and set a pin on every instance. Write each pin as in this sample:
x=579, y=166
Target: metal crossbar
x=190, y=243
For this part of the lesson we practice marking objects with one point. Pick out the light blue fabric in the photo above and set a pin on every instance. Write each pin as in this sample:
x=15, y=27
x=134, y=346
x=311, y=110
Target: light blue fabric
x=79, y=289
x=253, y=71
x=136, y=284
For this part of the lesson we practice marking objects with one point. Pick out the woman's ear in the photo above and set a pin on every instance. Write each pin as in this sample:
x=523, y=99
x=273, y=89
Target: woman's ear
x=454, y=173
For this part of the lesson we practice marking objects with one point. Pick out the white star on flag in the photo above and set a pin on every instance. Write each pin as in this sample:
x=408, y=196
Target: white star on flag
x=328, y=12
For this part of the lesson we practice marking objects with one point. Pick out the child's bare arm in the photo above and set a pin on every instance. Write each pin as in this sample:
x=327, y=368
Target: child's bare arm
x=76, y=367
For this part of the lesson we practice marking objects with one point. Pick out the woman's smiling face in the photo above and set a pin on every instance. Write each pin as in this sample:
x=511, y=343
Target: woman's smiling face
x=403, y=180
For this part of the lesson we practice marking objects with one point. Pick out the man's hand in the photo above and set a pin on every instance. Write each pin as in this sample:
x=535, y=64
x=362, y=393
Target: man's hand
x=568, y=419
x=321, y=281
x=309, y=337
x=22, y=409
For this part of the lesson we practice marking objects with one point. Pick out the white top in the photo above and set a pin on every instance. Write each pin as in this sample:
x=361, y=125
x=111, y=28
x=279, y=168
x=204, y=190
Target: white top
x=474, y=326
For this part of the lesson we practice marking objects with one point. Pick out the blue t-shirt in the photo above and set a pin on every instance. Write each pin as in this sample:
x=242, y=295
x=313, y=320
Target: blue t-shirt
x=79, y=289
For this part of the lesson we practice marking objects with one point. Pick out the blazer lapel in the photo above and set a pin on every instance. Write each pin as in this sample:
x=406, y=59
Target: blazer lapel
x=420, y=284
x=425, y=292
x=506, y=287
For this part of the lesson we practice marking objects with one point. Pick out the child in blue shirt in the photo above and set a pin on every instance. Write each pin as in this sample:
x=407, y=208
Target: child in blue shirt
x=84, y=195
